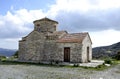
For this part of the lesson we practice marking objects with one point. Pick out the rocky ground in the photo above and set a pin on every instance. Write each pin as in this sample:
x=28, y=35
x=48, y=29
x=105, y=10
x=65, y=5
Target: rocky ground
x=54, y=72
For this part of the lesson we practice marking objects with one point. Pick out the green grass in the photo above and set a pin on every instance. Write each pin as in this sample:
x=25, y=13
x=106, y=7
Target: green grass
x=103, y=67
x=98, y=68
x=9, y=62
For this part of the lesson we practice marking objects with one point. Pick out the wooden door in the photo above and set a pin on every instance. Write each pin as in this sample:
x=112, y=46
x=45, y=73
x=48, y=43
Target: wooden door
x=67, y=54
x=87, y=54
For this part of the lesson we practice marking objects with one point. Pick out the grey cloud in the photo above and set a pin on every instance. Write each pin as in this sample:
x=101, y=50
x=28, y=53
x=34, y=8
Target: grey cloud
x=70, y=21
x=91, y=21
x=11, y=30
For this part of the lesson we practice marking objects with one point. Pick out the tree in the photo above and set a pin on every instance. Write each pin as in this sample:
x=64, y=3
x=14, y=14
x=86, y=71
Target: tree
x=118, y=55
x=16, y=54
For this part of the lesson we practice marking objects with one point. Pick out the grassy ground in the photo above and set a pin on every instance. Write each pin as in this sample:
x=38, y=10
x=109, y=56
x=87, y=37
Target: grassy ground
x=100, y=67
x=29, y=71
x=18, y=70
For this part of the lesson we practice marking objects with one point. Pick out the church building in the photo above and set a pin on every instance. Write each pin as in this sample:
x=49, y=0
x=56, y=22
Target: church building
x=46, y=44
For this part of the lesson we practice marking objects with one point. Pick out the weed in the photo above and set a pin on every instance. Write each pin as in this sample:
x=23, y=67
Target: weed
x=76, y=65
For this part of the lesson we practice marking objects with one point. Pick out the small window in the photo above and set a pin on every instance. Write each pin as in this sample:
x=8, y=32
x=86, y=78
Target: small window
x=38, y=25
x=55, y=27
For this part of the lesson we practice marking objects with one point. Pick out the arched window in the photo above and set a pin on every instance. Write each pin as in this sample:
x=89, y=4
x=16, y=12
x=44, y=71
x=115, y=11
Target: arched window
x=38, y=27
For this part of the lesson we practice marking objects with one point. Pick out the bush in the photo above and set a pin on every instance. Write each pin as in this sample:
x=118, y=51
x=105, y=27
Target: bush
x=52, y=62
x=2, y=58
x=76, y=65
x=57, y=62
x=108, y=61
x=100, y=67
x=118, y=56
x=16, y=54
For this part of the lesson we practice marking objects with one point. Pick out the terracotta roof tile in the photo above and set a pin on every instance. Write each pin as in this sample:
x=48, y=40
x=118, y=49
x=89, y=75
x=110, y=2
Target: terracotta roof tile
x=57, y=34
x=60, y=32
x=72, y=38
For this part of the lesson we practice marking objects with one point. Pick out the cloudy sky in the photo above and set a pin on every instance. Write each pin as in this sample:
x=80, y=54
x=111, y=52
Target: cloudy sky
x=101, y=18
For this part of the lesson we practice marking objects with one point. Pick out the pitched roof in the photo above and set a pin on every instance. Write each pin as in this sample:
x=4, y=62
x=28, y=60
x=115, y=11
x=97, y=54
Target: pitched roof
x=45, y=19
x=73, y=38
x=59, y=32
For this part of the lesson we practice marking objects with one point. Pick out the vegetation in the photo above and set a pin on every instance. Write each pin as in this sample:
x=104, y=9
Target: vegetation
x=16, y=54
x=118, y=55
x=2, y=58
x=76, y=65
x=107, y=51
x=101, y=67
x=98, y=68
x=108, y=61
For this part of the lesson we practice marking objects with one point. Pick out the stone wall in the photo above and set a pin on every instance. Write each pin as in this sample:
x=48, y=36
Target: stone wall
x=86, y=43
x=45, y=26
x=37, y=48
x=31, y=49
x=75, y=51
x=48, y=50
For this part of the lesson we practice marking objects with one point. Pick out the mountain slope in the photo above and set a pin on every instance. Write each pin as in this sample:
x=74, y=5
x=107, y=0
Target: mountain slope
x=6, y=52
x=106, y=51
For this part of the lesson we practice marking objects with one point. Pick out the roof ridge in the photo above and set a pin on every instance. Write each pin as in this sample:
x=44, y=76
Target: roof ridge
x=45, y=18
x=79, y=33
x=73, y=37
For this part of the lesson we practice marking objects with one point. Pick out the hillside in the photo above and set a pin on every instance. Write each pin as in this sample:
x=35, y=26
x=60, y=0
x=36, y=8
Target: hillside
x=6, y=52
x=106, y=51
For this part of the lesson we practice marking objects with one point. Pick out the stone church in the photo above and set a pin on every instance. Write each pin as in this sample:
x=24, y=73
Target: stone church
x=46, y=44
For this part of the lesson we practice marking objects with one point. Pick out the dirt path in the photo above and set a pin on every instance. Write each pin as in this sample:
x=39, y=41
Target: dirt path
x=43, y=72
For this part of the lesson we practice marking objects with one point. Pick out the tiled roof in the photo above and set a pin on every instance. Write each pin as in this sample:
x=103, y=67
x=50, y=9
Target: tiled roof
x=60, y=32
x=57, y=34
x=72, y=38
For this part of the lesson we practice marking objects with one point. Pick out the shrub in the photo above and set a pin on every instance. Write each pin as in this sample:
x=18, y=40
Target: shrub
x=108, y=61
x=16, y=54
x=76, y=65
x=2, y=58
x=57, y=62
x=100, y=67
x=118, y=55
x=51, y=62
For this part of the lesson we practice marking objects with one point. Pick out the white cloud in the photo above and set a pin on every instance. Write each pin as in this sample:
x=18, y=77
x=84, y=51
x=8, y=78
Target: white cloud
x=29, y=16
x=17, y=23
x=105, y=37
x=72, y=15
x=108, y=4
x=69, y=6
x=63, y=11
x=83, y=6
x=1, y=23
x=9, y=43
